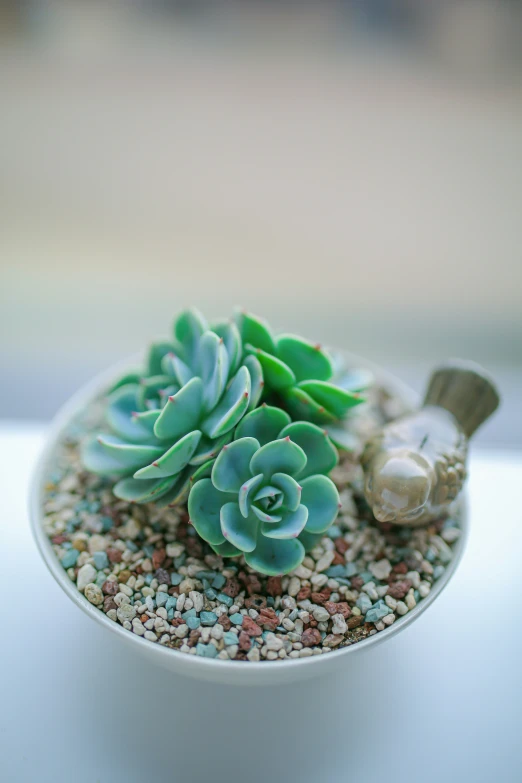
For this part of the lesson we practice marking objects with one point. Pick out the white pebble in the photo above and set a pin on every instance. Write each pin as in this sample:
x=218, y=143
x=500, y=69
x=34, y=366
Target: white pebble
x=217, y=631
x=126, y=612
x=94, y=594
x=339, y=624
x=111, y=614
x=410, y=600
x=391, y=602
x=181, y=631
x=401, y=608
x=381, y=569
x=197, y=600
x=303, y=572
x=414, y=578
x=97, y=543
x=319, y=580
x=294, y=586
x=180, y=603
x=151, y=636
x=450, y=534
x=253, y=654
x=325, y=561
x=424, y=589
x=321, y=614
x=85, y=576
x=388, y=619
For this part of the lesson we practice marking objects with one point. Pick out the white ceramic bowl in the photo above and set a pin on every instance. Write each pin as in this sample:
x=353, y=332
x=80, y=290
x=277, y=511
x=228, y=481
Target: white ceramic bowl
x=228, y=672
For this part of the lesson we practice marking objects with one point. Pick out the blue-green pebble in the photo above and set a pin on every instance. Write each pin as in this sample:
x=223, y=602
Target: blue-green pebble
x=230, y=638
x=206, y=575
x=377, y=612
x=190, y=613
x=363, y=603
x=210, y=593
x=100, y=578
x=219, y=581
x=236, y=619
x=176, y=579
x=208, y=618
x=70, y=558
x=161, y=599
x=101, y=560
x=131, y=545
x=171, y=602
x=193, y=623
x=206, y=650
x=337, y=570
x=106, y=524
x=224, y=599
x=438, y=571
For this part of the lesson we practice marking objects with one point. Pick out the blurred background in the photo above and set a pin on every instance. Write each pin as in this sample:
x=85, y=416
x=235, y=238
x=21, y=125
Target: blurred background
x=349, y=169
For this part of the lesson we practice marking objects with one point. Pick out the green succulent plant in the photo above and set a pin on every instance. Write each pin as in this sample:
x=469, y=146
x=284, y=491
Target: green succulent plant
x=298, y=374
x=267, y=496
x=169, y=423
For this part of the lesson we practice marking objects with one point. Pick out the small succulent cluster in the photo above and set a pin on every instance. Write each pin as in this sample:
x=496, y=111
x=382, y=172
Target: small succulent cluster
x=189, y=427
x=268, y=496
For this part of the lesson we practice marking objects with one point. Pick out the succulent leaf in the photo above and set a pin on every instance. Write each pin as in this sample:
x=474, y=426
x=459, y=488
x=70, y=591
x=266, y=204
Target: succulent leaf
x=246, y=492
x=157, y=351
x=213, y=368
x=122, y=404
x=277, y=375
x=290, y=489
x=337, y=401
x=290, y=525
x=204, y=507
x=257, y=382
x=178, y=492
x=309, y=540
x=208, y=449
x=176, y=369
x=128, y=455
x=229, y=333
x=148, y=391
x=189, y=327
x=231, y=468
x=241, y=532
x=304, y=359
x=279, y=456
x=232, y=407
x=174, y=460
x=255, y=331
x=226, y=550
x=182, y=412
x=321, y=498
x=264, y=516
x=135, y=491
x=302, y=406
x=274, y=557
x=96, y=459
x=264, y=424
x=321, y=455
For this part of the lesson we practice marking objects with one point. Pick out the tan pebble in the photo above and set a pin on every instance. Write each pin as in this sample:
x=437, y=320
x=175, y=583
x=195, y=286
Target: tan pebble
x=97, y=543
x=79, y=544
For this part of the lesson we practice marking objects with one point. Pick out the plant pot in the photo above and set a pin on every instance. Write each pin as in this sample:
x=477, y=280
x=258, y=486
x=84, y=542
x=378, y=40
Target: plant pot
x=227, y=672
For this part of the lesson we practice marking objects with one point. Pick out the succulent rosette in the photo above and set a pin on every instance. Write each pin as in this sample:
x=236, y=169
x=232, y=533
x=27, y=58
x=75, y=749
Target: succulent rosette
x=267, y=496
x=298, y=375
x=169, y=423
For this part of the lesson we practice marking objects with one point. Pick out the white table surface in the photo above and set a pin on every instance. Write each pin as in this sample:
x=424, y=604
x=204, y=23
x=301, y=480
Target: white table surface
x=440, y=702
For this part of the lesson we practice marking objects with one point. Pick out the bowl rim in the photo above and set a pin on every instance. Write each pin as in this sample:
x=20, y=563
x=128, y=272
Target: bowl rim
x=79, y=400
